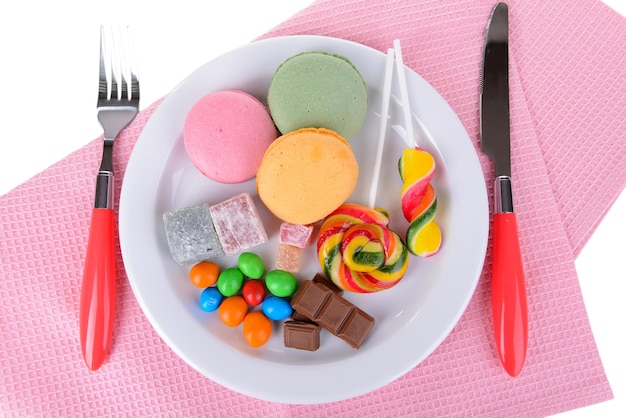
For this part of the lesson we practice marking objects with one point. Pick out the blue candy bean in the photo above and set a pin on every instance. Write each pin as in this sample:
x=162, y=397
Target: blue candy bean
x=210, y=299
x=276, y=308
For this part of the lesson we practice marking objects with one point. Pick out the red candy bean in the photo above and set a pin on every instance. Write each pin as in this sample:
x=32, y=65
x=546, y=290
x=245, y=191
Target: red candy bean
x=253, y=292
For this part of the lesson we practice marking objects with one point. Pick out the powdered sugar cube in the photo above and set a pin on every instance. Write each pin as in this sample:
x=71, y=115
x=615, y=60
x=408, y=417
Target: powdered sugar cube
x=238, y=224
x=296, y=235
x=191, y=236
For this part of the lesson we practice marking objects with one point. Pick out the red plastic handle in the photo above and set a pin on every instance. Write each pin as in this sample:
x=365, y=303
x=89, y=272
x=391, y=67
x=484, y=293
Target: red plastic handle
x=508, y=294
x=97, y=299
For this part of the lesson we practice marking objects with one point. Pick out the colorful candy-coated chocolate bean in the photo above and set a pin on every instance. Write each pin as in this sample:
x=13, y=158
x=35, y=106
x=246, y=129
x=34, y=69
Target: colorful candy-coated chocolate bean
x=253, y=292
x=257, y=329
x=251, y=265
x=233, y=310
x=204, y=274
x=229, y=281
x=276, y=308
x=210, y=299
x=281, y=283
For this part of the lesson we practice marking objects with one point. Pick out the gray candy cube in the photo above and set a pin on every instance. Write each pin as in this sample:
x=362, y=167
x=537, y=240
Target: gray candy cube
x=191, y=235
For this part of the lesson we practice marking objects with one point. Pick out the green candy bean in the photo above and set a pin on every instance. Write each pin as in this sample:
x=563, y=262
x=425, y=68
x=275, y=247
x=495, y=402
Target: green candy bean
x=230, y=281
x=251, y=265
x=281, y=283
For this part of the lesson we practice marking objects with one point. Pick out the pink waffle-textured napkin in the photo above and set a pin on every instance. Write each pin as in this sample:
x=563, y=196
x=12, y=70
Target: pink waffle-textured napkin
x=568, y=77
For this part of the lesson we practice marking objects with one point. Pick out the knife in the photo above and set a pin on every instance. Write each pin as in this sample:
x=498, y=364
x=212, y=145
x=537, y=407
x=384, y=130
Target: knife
x=508, y=290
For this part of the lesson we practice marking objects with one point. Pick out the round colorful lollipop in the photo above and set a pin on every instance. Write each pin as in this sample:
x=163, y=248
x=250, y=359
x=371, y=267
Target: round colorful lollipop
x=358, y=252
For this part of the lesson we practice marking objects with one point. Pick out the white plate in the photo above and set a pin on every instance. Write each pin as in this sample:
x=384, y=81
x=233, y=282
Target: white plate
x=412, y=318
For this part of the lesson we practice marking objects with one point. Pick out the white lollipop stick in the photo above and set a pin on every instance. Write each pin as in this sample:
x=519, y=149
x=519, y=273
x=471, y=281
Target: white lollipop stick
x=384, y=113
x=409, y=138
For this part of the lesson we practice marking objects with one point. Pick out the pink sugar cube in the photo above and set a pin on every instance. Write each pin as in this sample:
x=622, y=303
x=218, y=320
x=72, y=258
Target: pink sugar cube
x=238, y=224
x=289, y=258
x=296, y=235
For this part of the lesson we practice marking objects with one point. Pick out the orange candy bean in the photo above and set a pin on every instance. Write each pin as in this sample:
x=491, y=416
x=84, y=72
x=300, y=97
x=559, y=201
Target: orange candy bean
x=257, y=329
x=233, y=310
x=204, y=274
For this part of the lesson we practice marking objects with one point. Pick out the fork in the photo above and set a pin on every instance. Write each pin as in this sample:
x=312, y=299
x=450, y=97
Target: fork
x=118, y=103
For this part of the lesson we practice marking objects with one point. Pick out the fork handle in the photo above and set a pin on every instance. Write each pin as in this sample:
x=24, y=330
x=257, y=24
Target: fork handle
x=97, y=301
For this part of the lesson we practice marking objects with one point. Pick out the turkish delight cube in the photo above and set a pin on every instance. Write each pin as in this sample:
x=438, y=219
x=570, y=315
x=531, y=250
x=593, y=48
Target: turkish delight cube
x=289, y=258
x=191, y=236
x=238, y=224
x=296, y=235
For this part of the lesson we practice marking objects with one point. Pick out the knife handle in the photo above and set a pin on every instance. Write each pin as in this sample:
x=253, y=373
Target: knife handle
x=508, y=294
x=97, y=300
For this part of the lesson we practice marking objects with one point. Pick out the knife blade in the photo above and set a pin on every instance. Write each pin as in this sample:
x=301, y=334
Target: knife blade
x=508, y=288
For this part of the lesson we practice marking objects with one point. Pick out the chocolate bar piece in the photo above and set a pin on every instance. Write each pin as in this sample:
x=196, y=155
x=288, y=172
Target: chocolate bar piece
x=328, y=283
x=300, y=318
x=302, y=335
x=330, y=310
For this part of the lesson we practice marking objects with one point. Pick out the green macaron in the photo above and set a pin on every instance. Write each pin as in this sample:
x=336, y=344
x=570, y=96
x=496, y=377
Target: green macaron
x=318, y=90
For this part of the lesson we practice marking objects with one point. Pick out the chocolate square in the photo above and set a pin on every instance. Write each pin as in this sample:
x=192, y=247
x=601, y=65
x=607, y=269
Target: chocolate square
x=333, y=313
x=302, y=335
x=327, y=283
x=356, y=327
x=309, y=298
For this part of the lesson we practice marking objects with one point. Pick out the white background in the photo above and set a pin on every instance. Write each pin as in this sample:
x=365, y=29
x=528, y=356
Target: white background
x=46, y=47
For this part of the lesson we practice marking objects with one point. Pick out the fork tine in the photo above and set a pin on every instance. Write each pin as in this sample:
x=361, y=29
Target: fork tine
x=114, y=63
x=123, y=61
x=134, y=82
x=103, y=88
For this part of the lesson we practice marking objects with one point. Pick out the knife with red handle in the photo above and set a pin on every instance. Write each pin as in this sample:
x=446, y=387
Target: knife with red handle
x=508, y=289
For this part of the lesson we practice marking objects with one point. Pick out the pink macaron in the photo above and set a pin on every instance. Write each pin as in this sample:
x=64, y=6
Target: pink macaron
x=226, y=134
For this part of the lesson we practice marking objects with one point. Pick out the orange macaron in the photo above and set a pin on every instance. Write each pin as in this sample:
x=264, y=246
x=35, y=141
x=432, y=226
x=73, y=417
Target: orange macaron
x=306, y=174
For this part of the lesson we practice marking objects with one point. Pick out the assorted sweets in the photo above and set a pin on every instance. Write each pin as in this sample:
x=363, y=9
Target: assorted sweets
x=206, y=232
x=245, y=295
x=297, y=150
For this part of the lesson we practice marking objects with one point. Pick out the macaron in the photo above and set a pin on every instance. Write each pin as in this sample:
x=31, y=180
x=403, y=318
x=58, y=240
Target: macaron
x=306, y=174
x=226, y=134
x=320, y=90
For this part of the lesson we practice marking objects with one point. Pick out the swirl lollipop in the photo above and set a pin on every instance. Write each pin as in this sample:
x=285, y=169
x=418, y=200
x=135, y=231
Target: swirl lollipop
x=419, y=202
x=416, y=166
x=355, y=247
x=358, y=252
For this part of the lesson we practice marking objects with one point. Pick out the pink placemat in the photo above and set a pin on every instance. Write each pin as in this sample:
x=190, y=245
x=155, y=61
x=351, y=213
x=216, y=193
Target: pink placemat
x=567, y=82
